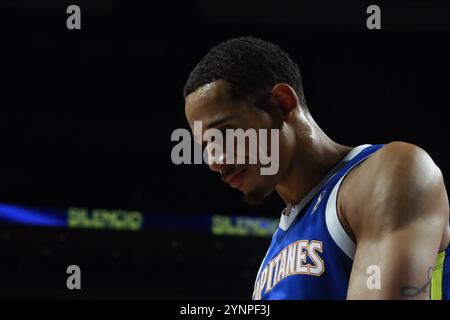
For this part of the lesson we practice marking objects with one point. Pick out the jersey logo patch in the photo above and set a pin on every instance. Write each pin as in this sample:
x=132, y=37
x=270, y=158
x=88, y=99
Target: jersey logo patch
x=318, y=201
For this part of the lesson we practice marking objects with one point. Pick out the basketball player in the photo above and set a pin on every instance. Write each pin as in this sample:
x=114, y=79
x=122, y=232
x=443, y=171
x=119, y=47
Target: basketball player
x=365, y=222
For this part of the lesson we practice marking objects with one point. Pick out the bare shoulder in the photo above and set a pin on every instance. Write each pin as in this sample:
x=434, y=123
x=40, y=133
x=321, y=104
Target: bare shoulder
x=395, y=164
x=400, y=164
x=405, y=156
x=400, y=180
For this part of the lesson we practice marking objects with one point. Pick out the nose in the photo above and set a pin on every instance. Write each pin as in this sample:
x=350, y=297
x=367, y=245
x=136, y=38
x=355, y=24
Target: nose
x=216, y=161
x=216, y=167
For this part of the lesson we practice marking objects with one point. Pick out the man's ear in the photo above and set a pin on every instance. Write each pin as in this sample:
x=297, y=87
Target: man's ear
x=287, y=100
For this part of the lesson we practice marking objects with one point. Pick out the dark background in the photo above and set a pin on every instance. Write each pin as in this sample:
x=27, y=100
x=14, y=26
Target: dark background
x=86, y=118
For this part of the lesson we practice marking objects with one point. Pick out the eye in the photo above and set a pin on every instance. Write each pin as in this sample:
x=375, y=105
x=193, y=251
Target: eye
x=223, y=130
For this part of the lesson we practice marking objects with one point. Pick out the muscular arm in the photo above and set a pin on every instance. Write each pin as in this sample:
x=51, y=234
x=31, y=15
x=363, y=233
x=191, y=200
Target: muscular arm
x=398, y=217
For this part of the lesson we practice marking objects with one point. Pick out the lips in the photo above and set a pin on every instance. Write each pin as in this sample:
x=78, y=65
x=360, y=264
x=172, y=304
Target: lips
x=236, y=179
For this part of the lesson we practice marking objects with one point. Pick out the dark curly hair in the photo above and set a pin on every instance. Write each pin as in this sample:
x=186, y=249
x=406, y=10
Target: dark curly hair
x=249, y=65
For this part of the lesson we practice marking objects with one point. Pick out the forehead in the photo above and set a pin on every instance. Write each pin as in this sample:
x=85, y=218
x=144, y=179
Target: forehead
x=211, y=102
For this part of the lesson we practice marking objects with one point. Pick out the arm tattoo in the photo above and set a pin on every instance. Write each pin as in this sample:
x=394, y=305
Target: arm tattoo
x=412, y=291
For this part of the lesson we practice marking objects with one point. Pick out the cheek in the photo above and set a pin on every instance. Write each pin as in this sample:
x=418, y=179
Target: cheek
x=253, y=172
x=255, y=177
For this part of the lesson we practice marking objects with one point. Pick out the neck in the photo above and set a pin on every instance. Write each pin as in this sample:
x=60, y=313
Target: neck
x=313, y=158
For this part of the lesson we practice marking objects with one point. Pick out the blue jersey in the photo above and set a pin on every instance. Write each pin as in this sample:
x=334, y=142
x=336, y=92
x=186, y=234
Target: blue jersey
x=311, y=255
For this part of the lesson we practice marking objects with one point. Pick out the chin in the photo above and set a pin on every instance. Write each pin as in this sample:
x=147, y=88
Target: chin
x=256, y=196
x=257, y=188
x=253, y=201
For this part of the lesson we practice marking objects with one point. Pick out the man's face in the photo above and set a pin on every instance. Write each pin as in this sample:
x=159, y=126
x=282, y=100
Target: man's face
x=212, y=105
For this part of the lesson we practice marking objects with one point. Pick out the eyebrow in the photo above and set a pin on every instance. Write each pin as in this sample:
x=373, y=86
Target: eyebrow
x=220, y=120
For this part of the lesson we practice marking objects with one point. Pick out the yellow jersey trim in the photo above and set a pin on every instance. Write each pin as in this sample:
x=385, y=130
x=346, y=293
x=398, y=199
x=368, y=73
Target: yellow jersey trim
x=436, y=277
